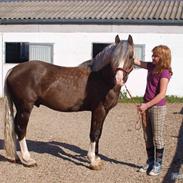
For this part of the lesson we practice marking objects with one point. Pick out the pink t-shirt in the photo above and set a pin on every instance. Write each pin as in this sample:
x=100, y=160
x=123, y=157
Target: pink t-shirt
x=153, y=83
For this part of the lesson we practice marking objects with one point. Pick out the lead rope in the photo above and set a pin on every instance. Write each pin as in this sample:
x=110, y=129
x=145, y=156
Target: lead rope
x=140, y=116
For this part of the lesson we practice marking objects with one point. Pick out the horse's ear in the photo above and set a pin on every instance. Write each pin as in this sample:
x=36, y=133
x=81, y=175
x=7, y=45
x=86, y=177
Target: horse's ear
x=117, y=39
x=130, y=40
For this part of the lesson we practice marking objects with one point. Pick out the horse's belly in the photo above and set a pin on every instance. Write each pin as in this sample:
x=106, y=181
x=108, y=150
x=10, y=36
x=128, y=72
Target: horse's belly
x=64, y=103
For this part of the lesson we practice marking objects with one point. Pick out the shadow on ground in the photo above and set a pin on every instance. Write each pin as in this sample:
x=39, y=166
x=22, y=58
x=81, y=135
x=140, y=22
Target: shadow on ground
x=175, y=172
x=65, y=151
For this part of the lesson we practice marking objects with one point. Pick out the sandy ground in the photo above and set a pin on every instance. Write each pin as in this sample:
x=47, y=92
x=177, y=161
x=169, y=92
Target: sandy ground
x=59, y=143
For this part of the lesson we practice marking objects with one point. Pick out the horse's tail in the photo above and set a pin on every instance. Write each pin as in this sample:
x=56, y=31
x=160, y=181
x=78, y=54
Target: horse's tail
x=9, y=130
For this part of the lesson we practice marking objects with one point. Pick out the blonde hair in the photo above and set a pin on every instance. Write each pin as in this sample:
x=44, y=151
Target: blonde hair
x=164, y=53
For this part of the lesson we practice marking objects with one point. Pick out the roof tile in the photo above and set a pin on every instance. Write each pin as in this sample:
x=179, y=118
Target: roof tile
x=121, y=11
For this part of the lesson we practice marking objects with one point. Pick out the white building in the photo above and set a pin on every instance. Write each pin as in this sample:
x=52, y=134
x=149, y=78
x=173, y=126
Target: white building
x=69, y=32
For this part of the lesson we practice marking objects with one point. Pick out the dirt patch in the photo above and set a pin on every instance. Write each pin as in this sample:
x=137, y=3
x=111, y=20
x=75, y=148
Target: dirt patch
x=59, y=143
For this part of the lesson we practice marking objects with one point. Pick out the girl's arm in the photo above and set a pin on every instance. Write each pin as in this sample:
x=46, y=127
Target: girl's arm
x=158, y=97
x=140, y=63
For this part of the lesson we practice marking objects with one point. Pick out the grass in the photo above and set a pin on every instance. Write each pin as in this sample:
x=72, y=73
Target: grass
x=125, y=99
x=174, y=99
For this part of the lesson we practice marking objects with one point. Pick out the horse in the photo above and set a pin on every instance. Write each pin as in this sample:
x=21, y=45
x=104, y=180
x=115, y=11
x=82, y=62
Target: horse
x=92, y=86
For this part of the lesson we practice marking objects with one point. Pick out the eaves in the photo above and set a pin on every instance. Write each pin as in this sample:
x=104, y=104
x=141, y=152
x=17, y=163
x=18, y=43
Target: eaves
x=93, y=21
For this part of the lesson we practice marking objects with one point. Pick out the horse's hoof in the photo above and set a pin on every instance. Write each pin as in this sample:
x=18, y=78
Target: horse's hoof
x=13, y=159
x=97, y=166
x=28, y=163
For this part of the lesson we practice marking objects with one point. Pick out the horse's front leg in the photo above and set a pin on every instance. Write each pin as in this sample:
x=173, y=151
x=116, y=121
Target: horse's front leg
x=98, y=117
x=95, y=161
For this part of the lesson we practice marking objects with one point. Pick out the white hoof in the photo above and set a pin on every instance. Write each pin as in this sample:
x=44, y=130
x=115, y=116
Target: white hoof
x=28, y=163
x=97, y=164
x=14, y=159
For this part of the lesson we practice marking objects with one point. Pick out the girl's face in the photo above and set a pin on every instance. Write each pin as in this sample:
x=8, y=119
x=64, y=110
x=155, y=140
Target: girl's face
x=155, y=59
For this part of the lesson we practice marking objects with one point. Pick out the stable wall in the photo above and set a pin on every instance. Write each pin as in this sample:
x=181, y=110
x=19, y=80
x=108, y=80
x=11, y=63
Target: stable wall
x=73, y=45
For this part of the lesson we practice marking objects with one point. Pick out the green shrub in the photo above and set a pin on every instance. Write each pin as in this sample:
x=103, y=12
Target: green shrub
x=124, y=97
x=174, y=99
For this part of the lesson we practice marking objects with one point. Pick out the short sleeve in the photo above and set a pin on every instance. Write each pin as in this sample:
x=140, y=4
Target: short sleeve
x=166, y=74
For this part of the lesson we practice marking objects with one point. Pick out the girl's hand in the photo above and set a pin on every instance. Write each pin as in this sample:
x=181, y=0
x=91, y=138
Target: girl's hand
x=142, y=107
x=137, y=61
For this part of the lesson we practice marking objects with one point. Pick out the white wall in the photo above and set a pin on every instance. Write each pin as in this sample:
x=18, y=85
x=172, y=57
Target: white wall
x=174, y=42
x=72, y=48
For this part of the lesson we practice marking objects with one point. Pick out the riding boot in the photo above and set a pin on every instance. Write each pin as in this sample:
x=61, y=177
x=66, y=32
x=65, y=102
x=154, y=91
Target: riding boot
x=150, y=160
x=157, y=163
x=150, y=154
x=159, y=155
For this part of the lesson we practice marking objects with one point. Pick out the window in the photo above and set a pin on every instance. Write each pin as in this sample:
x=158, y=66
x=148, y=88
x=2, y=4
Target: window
x=139, y=50
x=18, y=52
x=139, y=53
x=98, y=47
x=43, y=52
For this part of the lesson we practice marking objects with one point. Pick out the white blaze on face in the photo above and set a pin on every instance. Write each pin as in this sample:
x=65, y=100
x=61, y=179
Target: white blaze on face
x=119, y=74
x=123, y=55
x=119, y=77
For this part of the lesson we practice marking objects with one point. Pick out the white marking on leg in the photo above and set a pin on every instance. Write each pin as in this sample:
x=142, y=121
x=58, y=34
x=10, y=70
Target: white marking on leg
x=91, y=152
x=24, y=149
x=95, y=161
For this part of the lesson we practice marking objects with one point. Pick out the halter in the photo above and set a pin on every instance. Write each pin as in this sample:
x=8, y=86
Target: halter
x=127, y=71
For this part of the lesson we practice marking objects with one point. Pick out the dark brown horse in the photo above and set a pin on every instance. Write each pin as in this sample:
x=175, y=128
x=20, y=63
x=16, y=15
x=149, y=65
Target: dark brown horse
x=92, y=86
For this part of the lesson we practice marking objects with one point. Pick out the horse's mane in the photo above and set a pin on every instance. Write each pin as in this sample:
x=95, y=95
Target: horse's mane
x=102, y=59
x=86, y=64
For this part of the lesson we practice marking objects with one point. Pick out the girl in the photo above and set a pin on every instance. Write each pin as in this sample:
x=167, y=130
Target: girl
x=153, y=107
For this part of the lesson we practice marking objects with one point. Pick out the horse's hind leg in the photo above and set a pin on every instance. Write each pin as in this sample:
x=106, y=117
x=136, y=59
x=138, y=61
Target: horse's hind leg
x=98, y=117
x=21, y=121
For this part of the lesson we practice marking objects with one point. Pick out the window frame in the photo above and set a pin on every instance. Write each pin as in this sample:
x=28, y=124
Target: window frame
x=28, y=55
x=44, y=44
x=142, y=46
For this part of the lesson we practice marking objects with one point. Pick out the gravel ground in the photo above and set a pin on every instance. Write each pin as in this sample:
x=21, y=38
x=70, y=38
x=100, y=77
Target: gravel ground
x=59, y=143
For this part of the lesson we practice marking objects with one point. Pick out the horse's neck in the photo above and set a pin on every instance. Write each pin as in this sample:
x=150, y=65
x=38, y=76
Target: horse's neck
x=107, y=74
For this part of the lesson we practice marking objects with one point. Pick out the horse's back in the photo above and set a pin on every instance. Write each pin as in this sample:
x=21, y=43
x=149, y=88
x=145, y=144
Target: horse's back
x=51, y=85
x=37, y=71
x=27, y=72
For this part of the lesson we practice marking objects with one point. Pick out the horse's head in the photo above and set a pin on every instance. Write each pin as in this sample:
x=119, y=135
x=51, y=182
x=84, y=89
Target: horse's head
x=122, y=59
x=119, y=55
